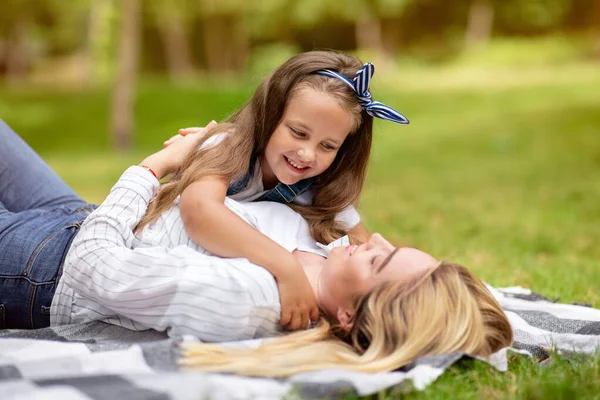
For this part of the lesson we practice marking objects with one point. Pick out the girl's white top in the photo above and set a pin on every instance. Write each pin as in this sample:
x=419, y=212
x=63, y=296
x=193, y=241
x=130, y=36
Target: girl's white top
x=161, y=279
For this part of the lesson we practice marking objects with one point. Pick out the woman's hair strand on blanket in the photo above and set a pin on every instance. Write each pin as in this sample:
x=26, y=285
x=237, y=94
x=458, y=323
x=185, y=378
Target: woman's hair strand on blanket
x=445, y=310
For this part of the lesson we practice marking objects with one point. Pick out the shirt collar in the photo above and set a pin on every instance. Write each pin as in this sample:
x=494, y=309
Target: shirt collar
x=343, y=241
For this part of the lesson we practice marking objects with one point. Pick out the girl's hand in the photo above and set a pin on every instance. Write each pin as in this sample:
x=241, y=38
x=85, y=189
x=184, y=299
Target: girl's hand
x=298, y=301
x=190, y=131
x=169, y=159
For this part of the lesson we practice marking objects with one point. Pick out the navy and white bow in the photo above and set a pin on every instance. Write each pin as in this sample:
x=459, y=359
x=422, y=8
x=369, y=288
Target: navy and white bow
x=360, y=85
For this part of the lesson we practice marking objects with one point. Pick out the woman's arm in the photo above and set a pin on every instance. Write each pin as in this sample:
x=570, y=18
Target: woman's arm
x=178, y=289
x=219, y=230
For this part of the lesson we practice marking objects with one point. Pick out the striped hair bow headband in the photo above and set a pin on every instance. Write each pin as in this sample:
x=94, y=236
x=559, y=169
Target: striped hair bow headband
x=360, y=85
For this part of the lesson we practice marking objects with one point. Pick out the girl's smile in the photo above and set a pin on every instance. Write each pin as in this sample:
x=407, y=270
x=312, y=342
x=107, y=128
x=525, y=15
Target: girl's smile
x=313, y=127
x=295, y=166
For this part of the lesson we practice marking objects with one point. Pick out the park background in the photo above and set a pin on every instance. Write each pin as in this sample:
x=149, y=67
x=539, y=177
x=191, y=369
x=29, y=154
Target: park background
x=499, y=169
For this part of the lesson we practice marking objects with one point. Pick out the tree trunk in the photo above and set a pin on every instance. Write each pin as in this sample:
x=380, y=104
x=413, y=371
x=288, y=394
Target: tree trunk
x=369, y=37
x=596, y=28
x=392, y=31
x=212, y=44
x=242, y=45
x=94, y=31
x=368, y=34
x=122, y=121
x=480, y=23
x=175, y=42
x=17, y=53
x=226, y=43
x=218, y=43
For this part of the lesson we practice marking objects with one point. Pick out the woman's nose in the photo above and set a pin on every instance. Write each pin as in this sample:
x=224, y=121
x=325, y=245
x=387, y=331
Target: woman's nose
x=372, y=242
x=377, y=240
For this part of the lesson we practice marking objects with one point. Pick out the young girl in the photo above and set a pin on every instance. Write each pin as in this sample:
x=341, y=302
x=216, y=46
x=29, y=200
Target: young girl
x=303, y=139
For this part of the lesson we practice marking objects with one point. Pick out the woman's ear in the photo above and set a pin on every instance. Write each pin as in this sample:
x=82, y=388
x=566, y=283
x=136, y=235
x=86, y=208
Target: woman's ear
x=345, y=318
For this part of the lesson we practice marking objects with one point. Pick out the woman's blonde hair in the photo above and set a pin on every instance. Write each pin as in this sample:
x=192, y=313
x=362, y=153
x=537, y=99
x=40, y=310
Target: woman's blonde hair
x=251, y=127
x=446, y=310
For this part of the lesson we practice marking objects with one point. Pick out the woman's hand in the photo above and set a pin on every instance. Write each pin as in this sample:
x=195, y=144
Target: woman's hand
x=169, y=159
x=190, y=131
x=298, y=301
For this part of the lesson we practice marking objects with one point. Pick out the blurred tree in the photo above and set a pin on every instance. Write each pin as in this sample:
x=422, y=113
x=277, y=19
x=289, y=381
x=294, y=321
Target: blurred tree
x=365, y=14
x=45, y=29
x=225, y=34
x=480, y=23
x=16, y=21
x=581, y=17
x=172, y=18
x=269, y=20
x=97, y=57
x=534, y=16
x=43, y=36
x=122, y=118
x=596, y=27
x=17, y=57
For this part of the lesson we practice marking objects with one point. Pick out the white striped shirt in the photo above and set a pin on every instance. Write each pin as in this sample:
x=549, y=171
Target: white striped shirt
x=161, y=280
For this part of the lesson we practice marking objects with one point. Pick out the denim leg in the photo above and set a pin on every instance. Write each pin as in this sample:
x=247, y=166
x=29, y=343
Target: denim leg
x=33, y=245
x=26, y=181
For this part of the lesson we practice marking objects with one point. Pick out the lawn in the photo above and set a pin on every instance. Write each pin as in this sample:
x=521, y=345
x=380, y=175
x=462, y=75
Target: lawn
x=499, y=173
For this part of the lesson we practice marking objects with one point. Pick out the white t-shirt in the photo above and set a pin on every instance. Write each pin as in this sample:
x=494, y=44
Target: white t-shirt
x=348, y=217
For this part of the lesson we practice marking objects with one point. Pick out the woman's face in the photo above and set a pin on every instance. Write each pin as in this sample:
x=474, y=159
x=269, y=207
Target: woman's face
x=353, y=271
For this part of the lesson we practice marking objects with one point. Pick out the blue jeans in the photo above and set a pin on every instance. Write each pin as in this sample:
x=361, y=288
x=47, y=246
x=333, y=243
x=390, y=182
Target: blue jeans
x=39, y=217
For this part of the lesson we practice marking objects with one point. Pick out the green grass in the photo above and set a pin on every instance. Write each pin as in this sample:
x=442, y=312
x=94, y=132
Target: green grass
x=500, y=175
x=559, y=378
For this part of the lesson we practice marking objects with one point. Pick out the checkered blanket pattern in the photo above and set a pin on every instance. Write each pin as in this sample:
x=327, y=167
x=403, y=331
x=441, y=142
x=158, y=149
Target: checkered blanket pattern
x=105, y=362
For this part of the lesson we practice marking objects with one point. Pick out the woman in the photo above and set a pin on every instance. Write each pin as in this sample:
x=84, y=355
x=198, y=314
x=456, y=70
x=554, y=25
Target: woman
x=441, y=311
x=386, y=305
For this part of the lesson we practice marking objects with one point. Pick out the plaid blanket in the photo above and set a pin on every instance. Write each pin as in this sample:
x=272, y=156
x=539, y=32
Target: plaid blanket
x=105, y=362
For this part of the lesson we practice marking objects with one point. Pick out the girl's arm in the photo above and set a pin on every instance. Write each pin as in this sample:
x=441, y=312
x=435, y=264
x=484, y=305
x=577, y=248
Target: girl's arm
x=351, y=221
x=359, y=234
x=219, y=230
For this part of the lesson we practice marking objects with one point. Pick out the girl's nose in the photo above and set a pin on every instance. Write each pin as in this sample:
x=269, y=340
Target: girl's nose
x=306, y=154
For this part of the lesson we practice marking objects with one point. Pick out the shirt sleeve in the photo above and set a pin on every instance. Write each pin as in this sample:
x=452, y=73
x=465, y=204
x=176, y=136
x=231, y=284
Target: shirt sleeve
x=348, y=217
x=174, y=289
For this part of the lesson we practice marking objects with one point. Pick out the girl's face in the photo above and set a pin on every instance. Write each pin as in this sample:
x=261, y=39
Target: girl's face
x=304, y=144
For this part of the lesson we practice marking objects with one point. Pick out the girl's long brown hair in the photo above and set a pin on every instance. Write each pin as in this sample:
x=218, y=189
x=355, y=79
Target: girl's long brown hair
x=250, y=128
